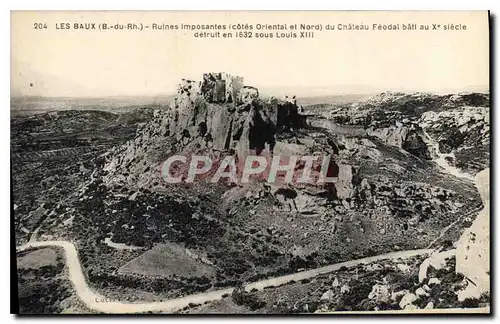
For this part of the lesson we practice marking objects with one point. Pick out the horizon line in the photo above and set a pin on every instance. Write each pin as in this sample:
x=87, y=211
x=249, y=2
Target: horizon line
x=266, y=93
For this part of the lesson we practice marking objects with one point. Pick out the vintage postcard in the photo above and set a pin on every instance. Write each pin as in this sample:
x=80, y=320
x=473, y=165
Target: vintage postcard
x=250, y=162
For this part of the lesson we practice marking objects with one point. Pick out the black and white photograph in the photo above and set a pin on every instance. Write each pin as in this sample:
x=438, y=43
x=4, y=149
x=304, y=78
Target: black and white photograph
x=250, y=162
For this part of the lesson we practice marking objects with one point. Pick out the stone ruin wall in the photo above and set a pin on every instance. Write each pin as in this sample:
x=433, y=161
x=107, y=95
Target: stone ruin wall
x=221, y=87
x=225, y=106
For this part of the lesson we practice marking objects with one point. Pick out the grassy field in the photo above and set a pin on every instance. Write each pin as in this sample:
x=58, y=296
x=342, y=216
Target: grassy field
x=43, y=284
x=168, y=260
x=38, y=259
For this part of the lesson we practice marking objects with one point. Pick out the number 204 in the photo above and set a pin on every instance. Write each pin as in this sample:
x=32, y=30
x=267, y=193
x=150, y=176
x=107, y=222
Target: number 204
x=40, y=25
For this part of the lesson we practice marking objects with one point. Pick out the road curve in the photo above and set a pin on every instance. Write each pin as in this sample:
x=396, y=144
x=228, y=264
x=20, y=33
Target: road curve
x=93, y=300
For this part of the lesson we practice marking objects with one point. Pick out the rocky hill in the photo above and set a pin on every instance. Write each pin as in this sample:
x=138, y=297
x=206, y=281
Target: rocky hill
x=453, y=130
x=217, y=115
x=405, y=165
x=70, y=128
x=391, y=194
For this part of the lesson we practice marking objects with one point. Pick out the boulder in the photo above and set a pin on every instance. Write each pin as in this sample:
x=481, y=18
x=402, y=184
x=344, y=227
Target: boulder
x=380, y=293
x=411, y=307
x=345, y=288
x=403, y=267
x=328, y=295
x=421, y=292
x=436, y=260
x=399, y=294
x=307, y=204
x=407, y=300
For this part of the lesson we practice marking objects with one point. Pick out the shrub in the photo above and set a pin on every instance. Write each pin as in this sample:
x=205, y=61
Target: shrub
x=470, y=303
x=242, y=298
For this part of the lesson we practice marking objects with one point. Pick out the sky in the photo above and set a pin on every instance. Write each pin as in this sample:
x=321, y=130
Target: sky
x=76, y=63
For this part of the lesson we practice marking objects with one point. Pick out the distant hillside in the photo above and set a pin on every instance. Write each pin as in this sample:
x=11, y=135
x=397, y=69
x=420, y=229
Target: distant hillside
x=453, y=129
x=37, y=105
x=332, y=99
x=58, y=129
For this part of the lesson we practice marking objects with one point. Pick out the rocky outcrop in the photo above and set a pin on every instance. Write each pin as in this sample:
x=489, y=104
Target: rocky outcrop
x=248, y=95
x=346, y=181
x=415, y=202
x=462, y=133
x=388, y=107
x=437, y=261
x=407, y=138
x=226, y=114
x=218, y=114
x=458, y=123
x=473, y=248
x=472, y=255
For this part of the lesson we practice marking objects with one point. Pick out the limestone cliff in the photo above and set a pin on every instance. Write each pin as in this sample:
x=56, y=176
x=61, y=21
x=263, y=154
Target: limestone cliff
x=217, y=114
x=454, y=127
x=473, y=248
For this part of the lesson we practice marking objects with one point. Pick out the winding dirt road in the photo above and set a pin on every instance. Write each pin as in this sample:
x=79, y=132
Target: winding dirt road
x=95, y=302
